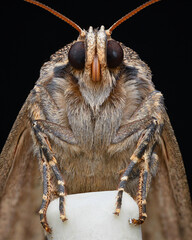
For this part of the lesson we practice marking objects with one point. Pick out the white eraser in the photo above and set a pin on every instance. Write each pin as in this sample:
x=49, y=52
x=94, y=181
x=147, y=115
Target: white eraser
x=90, y=217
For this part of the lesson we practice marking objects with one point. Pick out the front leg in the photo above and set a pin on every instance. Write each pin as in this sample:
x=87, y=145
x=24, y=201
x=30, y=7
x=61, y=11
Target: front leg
x=44, y=131
x=136, y=157
x=148, y=120
x=144, y=184
x=151, y=108
x=49, y=162
x=46, y=194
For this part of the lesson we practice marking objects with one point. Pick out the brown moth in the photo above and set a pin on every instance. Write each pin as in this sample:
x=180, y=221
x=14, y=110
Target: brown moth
x=94, y=122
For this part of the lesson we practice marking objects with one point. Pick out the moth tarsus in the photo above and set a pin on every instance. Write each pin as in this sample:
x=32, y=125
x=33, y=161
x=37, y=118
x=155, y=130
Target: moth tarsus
x=93, y=112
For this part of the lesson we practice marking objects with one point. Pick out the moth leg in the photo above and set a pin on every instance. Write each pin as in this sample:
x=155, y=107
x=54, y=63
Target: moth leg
x=46, y=195
x=122, y=185
x=48, y=153
x=150, y=160
x=61, y=188
x=141, y=196
x=152, y=107
x=136, y=157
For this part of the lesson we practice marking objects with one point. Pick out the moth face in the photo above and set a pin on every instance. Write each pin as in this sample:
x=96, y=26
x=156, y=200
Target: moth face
x=94, y=53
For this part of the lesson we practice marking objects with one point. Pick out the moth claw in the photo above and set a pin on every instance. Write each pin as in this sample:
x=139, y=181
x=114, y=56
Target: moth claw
x=135, y=221
x=117, y=211
x=63, y=218
x=46, y=227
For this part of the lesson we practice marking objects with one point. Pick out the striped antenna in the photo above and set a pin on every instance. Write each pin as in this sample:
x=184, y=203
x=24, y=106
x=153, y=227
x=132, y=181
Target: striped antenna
x=57, y=14
x=128, y=15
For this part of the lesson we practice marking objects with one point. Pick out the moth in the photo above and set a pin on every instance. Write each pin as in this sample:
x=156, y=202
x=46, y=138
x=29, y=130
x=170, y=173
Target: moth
x=94, y=122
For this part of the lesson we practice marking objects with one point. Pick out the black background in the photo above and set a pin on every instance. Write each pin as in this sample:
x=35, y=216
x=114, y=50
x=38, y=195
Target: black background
x=160, y=34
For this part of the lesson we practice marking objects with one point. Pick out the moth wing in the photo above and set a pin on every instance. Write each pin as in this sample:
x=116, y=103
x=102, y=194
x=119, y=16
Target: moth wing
x=169, y=206
x=19, y=184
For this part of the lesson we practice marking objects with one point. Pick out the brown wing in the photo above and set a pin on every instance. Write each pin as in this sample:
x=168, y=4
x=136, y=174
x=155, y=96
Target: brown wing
x=19, y=184
x=169, y=205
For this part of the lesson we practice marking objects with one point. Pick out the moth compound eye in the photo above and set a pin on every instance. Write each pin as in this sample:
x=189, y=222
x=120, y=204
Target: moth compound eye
x=114, y=54
x=76, y=55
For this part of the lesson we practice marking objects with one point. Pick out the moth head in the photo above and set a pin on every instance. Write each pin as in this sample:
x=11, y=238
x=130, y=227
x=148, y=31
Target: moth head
x=95, y=51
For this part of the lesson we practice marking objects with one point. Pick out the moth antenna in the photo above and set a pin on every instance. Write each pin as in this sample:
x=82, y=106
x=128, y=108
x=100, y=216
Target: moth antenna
x=57, y=14
x=129, y=15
